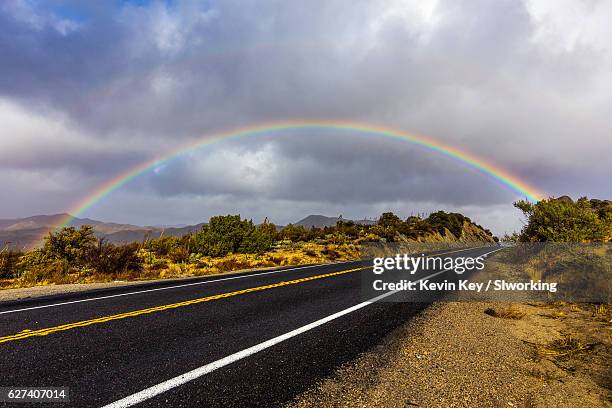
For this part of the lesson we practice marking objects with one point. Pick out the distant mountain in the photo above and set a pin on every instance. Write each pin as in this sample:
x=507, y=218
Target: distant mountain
x=49, y=221
x=321, y=221
x=27, y=232
x=150, y=232
x=37, y=221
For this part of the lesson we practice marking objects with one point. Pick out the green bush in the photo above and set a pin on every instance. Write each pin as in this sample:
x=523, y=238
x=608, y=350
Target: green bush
x=106, y=258
x=268, y=229
x=564, y=220
x=179, y=254
x=348, y=229
x=231, y=234
x=294, y=233
x=69, y=244
x=162, y=246
x=9, y=264
x=389, y=220
x=38, y=270
x=387, y=226
x=451, y=221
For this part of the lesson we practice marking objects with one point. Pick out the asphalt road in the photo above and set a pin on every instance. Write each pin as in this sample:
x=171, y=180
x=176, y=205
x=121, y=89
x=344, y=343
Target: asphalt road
x=253, y=339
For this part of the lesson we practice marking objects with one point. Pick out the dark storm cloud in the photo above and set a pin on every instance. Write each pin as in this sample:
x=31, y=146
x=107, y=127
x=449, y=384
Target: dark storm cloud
x=130, y=81
x=193, y=68
x=43, y=60
x=331, y=167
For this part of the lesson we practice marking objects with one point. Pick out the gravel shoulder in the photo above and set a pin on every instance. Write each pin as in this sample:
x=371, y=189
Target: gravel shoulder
x=50, y=290
x=62, y=289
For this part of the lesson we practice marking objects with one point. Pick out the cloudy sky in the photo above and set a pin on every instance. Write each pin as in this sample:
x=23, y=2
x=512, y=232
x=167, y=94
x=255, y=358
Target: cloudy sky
x=90, y=89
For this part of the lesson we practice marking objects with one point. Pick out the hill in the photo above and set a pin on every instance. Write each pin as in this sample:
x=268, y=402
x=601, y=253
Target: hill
x=24, y=233
x=18, y=233
x=49, y=221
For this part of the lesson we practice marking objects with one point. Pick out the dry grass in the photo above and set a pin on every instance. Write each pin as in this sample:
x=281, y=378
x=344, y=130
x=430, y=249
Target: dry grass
x=510, y=312
x=163, y=267
x=565, y=347
x=604, y=312
x=555, y=314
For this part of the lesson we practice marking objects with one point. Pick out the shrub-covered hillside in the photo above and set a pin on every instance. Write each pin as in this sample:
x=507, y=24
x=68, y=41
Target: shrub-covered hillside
x=224, y=243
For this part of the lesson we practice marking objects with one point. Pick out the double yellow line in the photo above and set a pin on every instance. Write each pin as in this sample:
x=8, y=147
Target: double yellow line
x=43, y=332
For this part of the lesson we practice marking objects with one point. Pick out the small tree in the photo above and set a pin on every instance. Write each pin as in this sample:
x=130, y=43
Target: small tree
x=389, y=220
x=268, y=229
x=69, y=244
x=563, y=220
x=111, y=259
x=226, y=234
x=387, y=226
x=9, y=261
x=294, y=233
x=451, y=221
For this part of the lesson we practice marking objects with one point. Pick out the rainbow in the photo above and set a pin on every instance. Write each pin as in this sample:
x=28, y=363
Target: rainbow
x=497, y=173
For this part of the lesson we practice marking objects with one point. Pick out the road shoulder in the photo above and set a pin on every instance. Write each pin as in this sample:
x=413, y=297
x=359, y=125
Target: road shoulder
x=41, y=291
x=481, y=353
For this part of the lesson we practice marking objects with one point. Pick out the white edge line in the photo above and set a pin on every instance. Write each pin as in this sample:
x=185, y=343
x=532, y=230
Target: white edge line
x=205, y=369
x=169, y=287
x=167, y=385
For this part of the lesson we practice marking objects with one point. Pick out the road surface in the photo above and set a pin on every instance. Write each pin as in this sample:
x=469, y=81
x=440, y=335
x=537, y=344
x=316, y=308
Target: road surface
x=252, y=339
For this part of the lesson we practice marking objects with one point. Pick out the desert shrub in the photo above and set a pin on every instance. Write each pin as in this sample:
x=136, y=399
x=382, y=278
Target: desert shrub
x=294, y=233
x=179, y=253
x=451, y=221
x=387, y=226
x=31, y=259
x=389, y=219
x=107, y=258
x=330, y=252
x=255, y=242
x=584, y=270
x=315, y=233
x=367, y=237
x=310, y=252
x=55, y=270
x=9, y=264
x=232, y=264
x=413, y=220
x=565, y=220
x=36, y=266
x=337, y=238
x=162, y=246
x=231, y=234
x=348, y=229
x=269, y=229
x=69, y=244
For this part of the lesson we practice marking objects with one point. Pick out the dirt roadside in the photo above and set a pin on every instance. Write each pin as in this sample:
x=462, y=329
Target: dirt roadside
x=61, y=289
x=49, y=290
x=482, y=354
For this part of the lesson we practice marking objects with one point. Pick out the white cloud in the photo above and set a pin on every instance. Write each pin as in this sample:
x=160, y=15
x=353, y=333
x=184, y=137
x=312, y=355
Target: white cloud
x=24, y=11
x=565, y=25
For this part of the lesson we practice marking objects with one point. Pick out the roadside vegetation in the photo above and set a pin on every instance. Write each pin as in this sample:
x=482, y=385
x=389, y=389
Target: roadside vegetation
x=568, y=242
x=225, y=243
x=565, y=220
